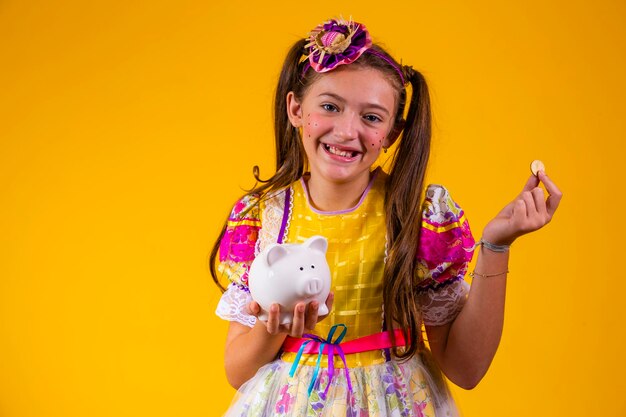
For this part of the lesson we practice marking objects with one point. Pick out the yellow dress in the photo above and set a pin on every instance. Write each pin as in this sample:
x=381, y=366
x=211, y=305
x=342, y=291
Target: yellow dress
x=356, y=252
x=380, y=386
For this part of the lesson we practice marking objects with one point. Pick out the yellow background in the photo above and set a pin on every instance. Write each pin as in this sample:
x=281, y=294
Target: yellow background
x=127, y=129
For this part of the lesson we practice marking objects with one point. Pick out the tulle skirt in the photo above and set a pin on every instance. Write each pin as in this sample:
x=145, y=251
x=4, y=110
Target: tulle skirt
x=391, y=388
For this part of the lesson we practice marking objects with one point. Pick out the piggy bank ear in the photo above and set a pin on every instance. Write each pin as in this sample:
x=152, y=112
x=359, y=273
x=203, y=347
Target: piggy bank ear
x=319, y=243
x=274, y=253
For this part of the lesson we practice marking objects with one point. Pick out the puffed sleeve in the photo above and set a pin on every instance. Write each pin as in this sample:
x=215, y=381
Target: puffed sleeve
x=445, y=249
x=237, y=251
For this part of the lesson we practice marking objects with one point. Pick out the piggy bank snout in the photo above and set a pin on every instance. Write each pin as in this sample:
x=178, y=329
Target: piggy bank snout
x=311, y=286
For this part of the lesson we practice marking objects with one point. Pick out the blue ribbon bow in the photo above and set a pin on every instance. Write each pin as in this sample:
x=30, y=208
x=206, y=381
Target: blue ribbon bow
x=332, y=347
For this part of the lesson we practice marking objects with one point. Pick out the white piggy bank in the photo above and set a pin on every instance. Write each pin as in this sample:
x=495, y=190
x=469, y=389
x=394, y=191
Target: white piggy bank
x=288, y=274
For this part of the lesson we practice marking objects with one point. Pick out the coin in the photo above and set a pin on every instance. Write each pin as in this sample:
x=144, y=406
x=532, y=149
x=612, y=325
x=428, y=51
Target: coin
x=536, y=166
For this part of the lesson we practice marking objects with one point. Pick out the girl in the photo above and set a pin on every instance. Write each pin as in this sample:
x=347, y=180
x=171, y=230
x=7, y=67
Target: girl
x=397, y=261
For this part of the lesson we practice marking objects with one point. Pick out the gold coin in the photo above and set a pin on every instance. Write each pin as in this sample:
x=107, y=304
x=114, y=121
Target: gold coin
x=536, y=166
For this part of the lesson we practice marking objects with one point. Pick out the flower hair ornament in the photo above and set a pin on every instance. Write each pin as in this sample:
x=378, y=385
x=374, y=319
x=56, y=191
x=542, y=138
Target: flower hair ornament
x=339, y=42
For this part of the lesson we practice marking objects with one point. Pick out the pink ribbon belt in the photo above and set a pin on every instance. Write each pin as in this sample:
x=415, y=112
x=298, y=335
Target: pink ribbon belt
x=311, y=343
x=375, y=341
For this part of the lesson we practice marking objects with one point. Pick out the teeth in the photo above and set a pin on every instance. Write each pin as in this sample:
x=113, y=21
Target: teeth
x=335, y=151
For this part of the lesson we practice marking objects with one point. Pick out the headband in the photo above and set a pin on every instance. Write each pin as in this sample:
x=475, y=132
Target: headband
x=339, y=42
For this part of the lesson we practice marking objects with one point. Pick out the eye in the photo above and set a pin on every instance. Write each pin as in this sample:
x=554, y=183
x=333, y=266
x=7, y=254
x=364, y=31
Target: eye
x=312, y=266
x=372, y=118
x=329, y=107
x=301, y=269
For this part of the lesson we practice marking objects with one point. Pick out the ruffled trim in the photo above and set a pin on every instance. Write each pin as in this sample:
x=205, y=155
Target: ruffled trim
x=232, y=305
x=272, y=215
x=287, y=218
x=441, y=305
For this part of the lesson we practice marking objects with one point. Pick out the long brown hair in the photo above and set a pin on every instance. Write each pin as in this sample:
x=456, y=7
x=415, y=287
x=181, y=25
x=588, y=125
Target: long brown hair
x=404, y=183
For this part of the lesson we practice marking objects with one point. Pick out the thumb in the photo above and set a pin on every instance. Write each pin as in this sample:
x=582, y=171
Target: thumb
x=531, y=183
x=254, y=308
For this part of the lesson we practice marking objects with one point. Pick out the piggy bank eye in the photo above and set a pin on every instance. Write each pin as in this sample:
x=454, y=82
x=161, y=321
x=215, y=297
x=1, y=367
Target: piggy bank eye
x=312, y=266
x=301, y=269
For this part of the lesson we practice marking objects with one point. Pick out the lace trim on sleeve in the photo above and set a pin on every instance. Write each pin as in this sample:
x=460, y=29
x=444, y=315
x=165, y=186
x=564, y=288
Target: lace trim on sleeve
x=272, y=215
x=232, y=305
x=441, y=306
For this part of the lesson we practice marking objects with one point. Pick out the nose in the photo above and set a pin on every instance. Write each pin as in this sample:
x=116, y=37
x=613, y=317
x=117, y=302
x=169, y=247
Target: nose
x=310, y=287
x=346, y=127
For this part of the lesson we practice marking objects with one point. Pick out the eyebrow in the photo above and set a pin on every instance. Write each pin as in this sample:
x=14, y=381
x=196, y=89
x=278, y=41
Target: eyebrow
x=341, y=99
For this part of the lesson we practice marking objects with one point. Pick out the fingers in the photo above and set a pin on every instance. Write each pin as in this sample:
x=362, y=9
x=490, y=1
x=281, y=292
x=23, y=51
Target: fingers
x=305, y=317
x=312, y=312
x=297, y=325
x=253, y=308
x=273, y=319
x=539, y=202
x=330, y=300
x=312, y=315
x=519, y=210
x=529, y=202
x=530, y=212
x=531, y=183
x=526, y=197
x=555, y=195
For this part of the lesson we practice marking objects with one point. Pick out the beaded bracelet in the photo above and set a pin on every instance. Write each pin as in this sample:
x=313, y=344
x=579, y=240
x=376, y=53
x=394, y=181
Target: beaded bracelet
x=492, y=246
x=473, y=274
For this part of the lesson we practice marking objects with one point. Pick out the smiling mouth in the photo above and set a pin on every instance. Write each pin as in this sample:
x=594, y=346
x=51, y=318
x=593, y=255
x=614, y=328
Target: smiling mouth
x=339, y=152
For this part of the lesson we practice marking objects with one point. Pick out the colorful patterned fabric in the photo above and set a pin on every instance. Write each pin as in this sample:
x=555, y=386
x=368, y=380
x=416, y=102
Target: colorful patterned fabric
x=388, y=389
x=446, y=242
x=237, y=244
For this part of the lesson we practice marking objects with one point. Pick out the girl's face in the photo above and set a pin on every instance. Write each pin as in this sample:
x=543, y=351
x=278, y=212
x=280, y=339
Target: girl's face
x=346, y=117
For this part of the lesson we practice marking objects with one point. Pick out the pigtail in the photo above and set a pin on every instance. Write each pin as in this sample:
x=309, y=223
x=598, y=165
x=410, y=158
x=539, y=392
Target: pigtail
x=290, y=155
x=403, y=215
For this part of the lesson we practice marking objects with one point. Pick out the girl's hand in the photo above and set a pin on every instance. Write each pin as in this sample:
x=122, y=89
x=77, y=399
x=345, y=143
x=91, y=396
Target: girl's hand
x=304, y=319
x=530, y=211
